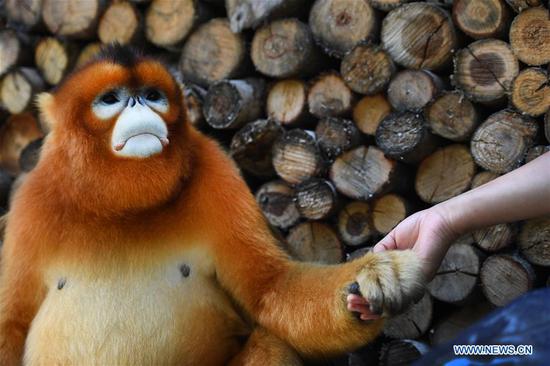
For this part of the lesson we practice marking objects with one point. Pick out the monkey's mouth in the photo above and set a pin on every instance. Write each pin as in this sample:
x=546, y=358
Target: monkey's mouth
x=140, y=141
x=145, y=137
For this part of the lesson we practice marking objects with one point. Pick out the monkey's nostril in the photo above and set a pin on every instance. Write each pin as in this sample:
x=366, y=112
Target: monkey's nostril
x=131, y=102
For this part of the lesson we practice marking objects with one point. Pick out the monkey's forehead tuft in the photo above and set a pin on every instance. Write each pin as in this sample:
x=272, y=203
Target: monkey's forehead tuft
x=123, y=55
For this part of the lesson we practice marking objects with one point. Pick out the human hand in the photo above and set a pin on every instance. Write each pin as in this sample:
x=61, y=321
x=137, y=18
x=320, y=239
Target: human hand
x=428, y=233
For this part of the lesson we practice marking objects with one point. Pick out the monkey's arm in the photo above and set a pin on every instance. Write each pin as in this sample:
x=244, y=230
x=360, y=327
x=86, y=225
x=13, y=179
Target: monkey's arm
x=21, y=293
x=304, y=303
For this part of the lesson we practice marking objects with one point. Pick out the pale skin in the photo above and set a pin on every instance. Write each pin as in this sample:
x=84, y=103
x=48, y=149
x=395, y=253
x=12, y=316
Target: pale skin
x=519, y=195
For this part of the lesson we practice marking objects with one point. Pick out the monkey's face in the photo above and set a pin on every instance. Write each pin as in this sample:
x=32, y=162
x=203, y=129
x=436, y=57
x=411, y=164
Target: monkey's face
x=119, y=131
x=131, y=112
x=139, y=128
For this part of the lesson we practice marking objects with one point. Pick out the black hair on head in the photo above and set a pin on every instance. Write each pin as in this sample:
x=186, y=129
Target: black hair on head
x=118, y=54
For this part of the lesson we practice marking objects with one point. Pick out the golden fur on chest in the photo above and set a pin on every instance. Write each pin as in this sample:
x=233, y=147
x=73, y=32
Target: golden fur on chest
x=138, y=311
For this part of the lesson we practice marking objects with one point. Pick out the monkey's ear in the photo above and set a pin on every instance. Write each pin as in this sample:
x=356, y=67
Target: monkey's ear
x=45, y=103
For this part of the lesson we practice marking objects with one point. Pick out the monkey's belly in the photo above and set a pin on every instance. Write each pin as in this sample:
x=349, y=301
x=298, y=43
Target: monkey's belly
x=134, y=317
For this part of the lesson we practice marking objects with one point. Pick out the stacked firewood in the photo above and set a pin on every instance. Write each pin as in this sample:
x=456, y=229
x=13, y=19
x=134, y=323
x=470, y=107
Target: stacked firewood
x=345, y=117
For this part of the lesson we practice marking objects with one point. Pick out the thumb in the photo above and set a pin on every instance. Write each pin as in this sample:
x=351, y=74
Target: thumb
x=387, y=243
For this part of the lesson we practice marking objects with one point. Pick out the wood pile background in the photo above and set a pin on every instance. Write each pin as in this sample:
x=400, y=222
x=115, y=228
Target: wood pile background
x=345, y=116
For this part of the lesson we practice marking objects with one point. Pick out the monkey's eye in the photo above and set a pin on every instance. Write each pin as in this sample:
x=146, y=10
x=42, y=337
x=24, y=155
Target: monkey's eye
x=155, y=99
x=109, y=98
x=153, y=95
x=110, y=103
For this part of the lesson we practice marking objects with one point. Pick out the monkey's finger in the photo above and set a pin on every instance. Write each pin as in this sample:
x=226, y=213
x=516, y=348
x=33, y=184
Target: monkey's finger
x=363, y=309
x=369, y=317
x=356, y=299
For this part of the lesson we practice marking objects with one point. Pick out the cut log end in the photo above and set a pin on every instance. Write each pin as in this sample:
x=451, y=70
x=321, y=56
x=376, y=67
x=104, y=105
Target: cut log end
x=54, y=59
x=18, y=89
x=485, y=69
x=419, y=36
x=251, y=147
x=529, y=35
x=534, y=241
x=414, y=322
x=411, y=90
x=231, y=103
x=405, y=136
x=72, y=19
x=452, y=116
x=363, y=173
x=367, y=69
x=336, y=135
x=369, y=112
x=494, y=238
x=316, y=199
x=505, y=277
x=276, y=199
x=287, y=102
x=354, y=224
x=284, y=48
x=213, y=53
x=329, y=96
x=445, y=174
x=501, y=142
x=296, y=156
x=531, y=92
x=338, y=25
x=481, y=19
x=388, y=211
x=120, y=23
x=315, y=242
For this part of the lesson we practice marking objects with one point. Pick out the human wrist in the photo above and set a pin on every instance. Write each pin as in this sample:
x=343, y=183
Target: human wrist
x=452, y=217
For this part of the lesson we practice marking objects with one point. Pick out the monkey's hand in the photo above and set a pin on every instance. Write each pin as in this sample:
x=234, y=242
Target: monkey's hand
x=389, y=282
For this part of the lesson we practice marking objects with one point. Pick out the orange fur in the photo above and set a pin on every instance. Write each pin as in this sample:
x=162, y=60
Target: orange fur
x=115, y=229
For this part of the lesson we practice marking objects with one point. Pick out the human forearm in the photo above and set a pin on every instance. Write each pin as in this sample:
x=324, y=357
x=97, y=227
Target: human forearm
x=521, y=194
